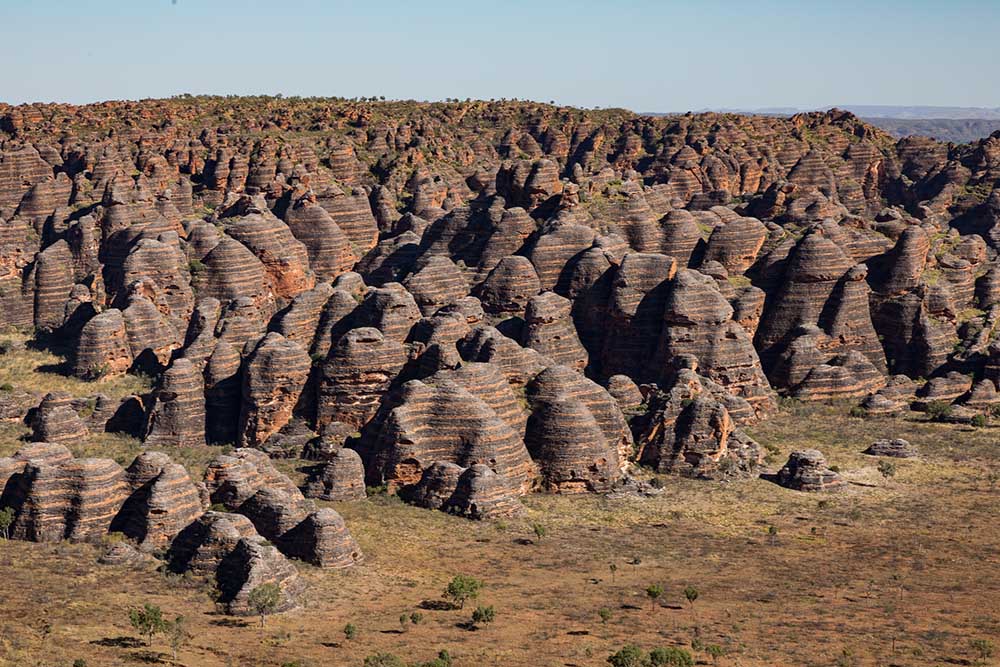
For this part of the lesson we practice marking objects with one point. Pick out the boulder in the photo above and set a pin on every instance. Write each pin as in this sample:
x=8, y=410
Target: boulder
x=806, y=470
x=894, y=447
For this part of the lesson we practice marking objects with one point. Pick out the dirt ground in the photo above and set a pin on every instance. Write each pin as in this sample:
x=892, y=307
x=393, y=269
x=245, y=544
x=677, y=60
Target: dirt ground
x=899, y=570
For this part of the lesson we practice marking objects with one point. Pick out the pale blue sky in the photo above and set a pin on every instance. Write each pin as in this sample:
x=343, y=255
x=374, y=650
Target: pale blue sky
x=643, y=55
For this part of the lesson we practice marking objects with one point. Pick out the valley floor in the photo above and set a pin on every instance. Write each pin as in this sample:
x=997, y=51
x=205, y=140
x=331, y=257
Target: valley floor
x=903, y=570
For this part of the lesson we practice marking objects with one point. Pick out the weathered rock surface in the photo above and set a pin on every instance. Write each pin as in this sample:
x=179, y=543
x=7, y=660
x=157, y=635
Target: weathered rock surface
x=806, y=470
x=895, y=447
x=342, y=477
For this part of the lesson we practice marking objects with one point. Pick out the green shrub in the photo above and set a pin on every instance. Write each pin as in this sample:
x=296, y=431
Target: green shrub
x=671, y=657
x=383, y=660
x=979, y=421
x=484, y=615
x=938, y=410
x=629, y=656
x=350, y=631
x=984, y=648
x=6, y=520
x=887, y=468
x=539, y=531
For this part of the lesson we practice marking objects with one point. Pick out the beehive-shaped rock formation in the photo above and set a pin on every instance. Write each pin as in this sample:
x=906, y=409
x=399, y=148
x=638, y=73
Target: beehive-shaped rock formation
x=806, y=470
x=204, y=543
x=274, y=375
x=355, y=375
x=441, y=421
x=177, y=413
x=163, y=501
x=340, y=478
x=253, y=563
x=322, y=539
x=75, y=500
x=55, y=420
x=480, y=493
x=550, y=331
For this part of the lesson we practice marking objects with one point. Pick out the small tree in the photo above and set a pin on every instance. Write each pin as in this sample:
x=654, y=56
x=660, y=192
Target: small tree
x=416, y=618
x=605, y=614
x=938, y=410
x=147, y=621
x=264, y=600
x=350, y=631
x=6, y=521
x=670, y=656
x=462, y=588
x=614, y=568
x=539, y=531
x=384, y=660
x=715, y=652
x=654, y=592
x=691, y=594
x=178, y=635
x=484, y=615
x=984, y=648
x=404, y=622
x=887, y=468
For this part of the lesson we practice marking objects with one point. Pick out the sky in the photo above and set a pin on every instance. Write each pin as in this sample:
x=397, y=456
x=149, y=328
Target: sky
x=647, y=56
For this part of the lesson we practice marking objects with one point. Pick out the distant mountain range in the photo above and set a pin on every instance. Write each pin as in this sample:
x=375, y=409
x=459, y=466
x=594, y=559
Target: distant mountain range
x=956, y=124
x=887, y=111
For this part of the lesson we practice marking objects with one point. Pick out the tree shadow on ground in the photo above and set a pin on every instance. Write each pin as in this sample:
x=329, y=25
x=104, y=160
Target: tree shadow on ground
x=118, y=642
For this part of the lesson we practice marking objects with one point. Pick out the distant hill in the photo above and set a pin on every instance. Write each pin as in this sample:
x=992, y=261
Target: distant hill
x=958, y=130
x=955, y=124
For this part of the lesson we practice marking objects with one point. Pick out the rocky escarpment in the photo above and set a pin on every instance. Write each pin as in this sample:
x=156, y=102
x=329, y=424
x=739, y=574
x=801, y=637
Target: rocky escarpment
x=554, y=294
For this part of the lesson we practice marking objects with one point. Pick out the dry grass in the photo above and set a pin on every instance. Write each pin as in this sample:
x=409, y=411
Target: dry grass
x=898, y=571
x=41, y=371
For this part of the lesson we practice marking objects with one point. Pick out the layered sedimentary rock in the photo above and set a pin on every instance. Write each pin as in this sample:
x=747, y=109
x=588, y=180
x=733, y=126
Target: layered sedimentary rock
x=697, y=321
x=74, y=500
x=341, y=477
x=439, y=420
x=480, y=493
x=635, y=315
x=806, y=470
x=894, y=447
x=232, y=479
x=322, y=539
x=549, y=330
x=355, y=375
x=202, y=544
x=285, y=258
x=253, y=563
x=273, y=378
x=163, y=501
x=55, y=420
x=177, y=412
x=102, y=348
x=329, y=249
x=506, y=260
x=509, y=286
x=690, y=429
